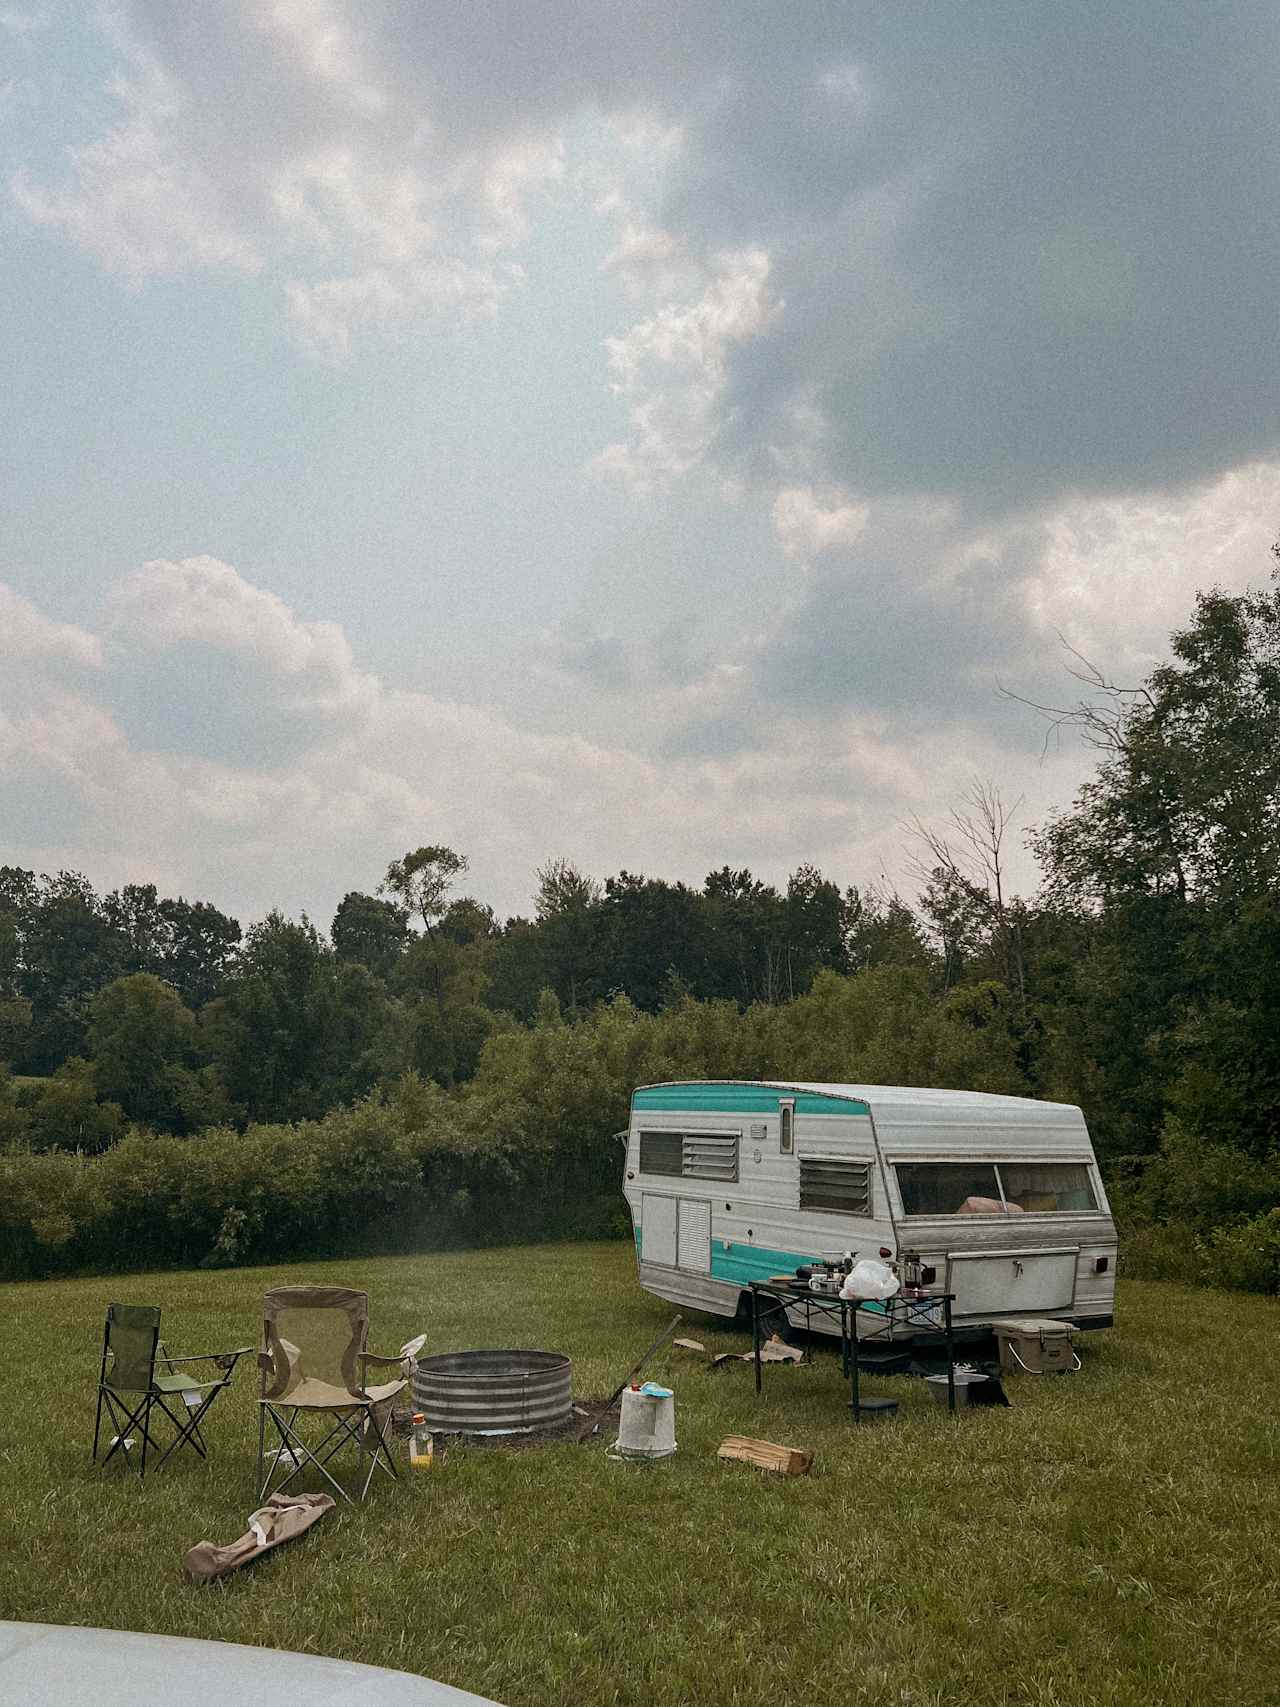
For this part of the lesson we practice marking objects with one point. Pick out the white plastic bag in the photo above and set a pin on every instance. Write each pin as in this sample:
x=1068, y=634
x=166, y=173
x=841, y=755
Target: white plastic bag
x=869, y=1279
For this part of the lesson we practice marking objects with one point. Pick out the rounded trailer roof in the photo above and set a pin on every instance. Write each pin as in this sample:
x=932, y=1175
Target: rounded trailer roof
x=924, y=1118
x=889, y=1096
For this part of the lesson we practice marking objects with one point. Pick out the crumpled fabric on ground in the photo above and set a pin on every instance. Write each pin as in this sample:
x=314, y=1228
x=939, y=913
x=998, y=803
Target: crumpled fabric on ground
x=283, y=1517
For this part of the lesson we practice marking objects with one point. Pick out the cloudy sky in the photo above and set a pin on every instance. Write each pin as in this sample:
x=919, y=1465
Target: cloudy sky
x=645, y=434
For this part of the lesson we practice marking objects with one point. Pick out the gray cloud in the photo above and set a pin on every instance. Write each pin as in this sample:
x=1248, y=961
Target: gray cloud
x=1037, y=254
x=1022, y=250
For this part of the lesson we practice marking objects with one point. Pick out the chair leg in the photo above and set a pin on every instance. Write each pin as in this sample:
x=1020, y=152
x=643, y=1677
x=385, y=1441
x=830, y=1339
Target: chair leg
x=188, y=1433
x=97, y=1425
x=345, y=1431
x=339, y=1434
x=380, y=1453
x=122, y=1420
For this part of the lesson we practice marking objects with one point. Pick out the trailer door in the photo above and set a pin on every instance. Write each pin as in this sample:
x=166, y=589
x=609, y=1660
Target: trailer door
x=658, y=1228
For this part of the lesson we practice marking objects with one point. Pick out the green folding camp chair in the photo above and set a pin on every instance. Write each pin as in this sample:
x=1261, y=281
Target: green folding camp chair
x=139, y=1383
x=314, y=1367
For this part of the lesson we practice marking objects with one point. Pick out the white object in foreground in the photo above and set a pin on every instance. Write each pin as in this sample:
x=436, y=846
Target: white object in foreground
x=49, y=1665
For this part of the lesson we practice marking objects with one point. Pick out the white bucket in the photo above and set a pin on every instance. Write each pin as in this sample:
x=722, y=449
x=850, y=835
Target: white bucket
x=647, y=1425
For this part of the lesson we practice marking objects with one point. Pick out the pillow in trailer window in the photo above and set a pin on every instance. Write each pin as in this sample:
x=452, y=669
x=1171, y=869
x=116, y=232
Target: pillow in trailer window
x=981, y=1206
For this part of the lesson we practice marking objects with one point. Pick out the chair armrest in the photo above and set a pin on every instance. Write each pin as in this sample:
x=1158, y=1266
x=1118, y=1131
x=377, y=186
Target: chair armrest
x=224, y=1359
x=374, y=1357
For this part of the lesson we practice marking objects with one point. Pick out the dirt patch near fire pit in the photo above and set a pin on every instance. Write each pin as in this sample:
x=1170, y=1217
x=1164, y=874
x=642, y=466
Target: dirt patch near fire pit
x=584, y=1411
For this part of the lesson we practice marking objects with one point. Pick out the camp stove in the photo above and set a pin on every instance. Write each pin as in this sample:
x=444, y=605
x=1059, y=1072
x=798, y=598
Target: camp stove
x=827, y=1278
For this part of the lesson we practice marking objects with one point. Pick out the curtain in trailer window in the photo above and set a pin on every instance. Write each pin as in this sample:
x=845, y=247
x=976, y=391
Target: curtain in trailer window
x=1042, y=1188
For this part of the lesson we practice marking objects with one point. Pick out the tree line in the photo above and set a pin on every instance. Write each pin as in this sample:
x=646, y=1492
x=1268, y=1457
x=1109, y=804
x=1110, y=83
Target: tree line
x=130, y=1006
x=1137, y=981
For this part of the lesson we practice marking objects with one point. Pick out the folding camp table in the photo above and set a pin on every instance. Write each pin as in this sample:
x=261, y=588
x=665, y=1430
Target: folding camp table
x=894, y=1312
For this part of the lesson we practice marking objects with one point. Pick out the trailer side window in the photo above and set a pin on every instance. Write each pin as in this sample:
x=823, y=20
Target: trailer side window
x=949, y=1188
x=662, y=1153
x=842, y=1187
x=690, y=1155
x=1048, y=1187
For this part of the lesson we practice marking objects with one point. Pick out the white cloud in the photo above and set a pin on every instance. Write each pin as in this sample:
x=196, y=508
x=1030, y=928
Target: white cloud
x=327, y=314
x=136, y=198
x=1118, y=575
x=651, y=263
x=26, y=633
x=204, y=602
x=316, y=34
x=672, y=369
x=287, y=141
x=414, y=767
x=808, y=521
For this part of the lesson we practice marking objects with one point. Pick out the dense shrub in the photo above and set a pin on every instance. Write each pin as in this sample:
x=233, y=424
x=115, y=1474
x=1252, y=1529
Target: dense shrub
x=1245, y=1256
x=526, y=1149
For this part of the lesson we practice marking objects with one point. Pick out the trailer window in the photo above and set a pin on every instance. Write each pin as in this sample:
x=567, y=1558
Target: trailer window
x=949, y=1188
x=690, y=1155
x=834, y=1184
x=661, y=1153
x=1048, y=1187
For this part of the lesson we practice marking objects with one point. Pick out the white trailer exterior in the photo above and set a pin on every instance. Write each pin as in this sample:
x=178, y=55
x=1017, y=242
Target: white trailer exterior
x=730, y=1181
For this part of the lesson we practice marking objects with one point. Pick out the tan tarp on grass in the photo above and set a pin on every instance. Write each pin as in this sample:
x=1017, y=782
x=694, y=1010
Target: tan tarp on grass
x=283, y=1517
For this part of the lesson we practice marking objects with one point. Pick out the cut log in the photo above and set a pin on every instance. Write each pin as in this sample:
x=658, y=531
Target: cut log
x=766, y=1455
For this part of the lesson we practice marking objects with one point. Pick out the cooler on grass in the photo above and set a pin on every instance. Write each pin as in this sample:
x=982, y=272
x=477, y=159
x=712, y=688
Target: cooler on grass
x=1035, y=1345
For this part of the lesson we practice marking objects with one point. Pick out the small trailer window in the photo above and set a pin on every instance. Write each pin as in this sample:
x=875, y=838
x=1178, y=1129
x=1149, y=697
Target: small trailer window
x=949, y=1188
x=690, y=1155
x=842, y=1187
x=1048, y=1187
x=661, y=1153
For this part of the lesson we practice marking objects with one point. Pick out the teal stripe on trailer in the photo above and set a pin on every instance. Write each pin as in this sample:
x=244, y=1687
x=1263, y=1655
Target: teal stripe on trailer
x=740, y=1099
x=741, y=1264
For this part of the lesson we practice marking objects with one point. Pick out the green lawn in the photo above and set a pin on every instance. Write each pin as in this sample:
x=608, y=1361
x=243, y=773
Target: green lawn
x=1112, y=1538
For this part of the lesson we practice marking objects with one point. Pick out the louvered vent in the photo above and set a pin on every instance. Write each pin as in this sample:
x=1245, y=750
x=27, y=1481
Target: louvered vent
x=662, y=1153
x=693, y=1155
x=711, y=1155
x=840, y=1186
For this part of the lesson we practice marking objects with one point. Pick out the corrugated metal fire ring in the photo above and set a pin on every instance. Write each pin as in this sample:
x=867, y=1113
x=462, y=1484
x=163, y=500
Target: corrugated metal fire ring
x=493, y=1392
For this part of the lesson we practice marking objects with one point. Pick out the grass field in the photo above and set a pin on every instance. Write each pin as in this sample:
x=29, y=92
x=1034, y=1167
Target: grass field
x=1111, y=1538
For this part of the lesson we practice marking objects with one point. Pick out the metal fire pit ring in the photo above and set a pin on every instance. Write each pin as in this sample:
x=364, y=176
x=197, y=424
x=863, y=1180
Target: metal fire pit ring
x=493, y=1392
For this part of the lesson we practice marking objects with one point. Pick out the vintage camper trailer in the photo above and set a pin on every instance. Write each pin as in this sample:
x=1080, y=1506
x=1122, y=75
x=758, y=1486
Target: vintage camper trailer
x=733, y=1181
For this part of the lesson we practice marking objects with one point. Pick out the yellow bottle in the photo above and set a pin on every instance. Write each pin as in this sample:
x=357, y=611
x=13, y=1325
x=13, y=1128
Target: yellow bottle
x=421, y=1445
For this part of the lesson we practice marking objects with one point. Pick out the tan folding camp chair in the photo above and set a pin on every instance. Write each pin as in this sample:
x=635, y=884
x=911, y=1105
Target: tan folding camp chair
x=314, y=1363
x=139, y=1379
